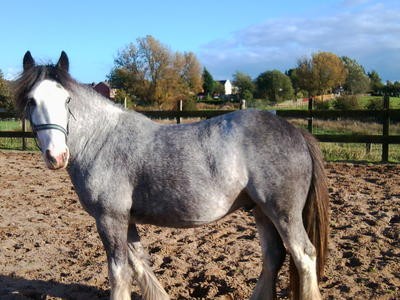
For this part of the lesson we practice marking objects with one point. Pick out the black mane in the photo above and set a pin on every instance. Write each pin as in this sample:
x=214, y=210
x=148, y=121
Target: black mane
x=30, y=77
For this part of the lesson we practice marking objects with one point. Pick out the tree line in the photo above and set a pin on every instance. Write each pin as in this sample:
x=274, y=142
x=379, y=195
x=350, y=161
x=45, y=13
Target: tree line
x=147, y=72
x=322, y=73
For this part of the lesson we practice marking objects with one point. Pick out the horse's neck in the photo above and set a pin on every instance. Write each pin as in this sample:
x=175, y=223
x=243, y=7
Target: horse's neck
x=91, y=121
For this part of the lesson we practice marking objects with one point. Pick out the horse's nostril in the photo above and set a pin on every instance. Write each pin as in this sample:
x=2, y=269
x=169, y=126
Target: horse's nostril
x=56, y=161
x=50, y=158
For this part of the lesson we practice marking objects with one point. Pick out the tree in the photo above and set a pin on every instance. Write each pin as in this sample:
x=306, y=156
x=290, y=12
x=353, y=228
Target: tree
x=219, y=88
x=357, y=81
x=135, y=70
x=191, y=71
x=5, y=94
x=208, y=83
x=150, y=72
x=131, y=82
x=392, y=88
x=323, y=72
x=294, y=78
x=376, y=84
x=329, y=70
x=156, y=59
x=305, y=76
x=274, y=85
x=245, y=85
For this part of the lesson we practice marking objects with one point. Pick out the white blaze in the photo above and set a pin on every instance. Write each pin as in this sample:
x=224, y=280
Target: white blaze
x=50, y=99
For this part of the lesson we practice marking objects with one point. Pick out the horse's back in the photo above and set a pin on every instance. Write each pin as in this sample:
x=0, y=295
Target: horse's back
x=263, y=139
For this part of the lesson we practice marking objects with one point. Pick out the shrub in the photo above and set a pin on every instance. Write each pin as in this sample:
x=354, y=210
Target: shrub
x=346, y=102
x=376, y=104
x=322, y=105
x=189, y=104
x=247, y=95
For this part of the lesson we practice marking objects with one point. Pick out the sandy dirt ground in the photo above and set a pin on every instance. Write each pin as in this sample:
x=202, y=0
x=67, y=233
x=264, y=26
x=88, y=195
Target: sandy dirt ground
x=49, y=247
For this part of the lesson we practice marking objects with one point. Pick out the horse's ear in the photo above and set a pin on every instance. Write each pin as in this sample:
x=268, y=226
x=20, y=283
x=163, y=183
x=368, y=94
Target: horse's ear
x=28, y=61
x=63, y=62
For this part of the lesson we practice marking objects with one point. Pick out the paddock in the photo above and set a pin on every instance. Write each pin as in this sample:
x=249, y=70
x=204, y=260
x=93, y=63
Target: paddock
x=50, y=249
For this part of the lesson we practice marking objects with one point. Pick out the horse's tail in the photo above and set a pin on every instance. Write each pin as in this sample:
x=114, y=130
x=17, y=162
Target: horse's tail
x=315, y=213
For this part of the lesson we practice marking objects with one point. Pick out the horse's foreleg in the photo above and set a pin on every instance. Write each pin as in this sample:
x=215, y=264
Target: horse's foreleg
x=113, y=233
x=149, y=285
x=273, y=257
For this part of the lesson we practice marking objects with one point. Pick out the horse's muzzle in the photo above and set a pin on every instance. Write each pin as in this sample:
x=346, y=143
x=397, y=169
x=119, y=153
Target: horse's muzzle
x=56, y=161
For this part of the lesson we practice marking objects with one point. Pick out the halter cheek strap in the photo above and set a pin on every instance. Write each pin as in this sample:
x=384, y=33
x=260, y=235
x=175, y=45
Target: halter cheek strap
x=40, y=127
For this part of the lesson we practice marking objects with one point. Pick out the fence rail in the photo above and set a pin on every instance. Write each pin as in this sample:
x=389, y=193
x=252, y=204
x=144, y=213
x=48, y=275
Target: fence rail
x=383, y=116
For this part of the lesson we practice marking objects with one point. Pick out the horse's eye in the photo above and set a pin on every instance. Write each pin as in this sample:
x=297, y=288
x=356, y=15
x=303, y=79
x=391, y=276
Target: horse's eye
x=68, y=100
x=31, y=102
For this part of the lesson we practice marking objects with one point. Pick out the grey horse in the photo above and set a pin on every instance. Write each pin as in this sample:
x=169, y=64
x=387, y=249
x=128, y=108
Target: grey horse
x=128, y=170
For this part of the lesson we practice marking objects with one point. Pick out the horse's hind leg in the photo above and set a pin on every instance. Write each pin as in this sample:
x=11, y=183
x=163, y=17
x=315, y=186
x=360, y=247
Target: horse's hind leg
x=149, y=285
x=293, y=234
x=273, y=257
x=113, y=233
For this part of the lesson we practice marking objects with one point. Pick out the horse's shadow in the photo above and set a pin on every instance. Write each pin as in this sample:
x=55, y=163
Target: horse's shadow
x=18, y=288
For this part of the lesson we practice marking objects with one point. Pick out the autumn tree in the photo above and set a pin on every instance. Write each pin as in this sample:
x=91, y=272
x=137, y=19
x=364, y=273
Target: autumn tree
x=190, y=72
x=182, y=79
x=156, y=60
x=323, y=72
x=150, y=71
x=274, y=85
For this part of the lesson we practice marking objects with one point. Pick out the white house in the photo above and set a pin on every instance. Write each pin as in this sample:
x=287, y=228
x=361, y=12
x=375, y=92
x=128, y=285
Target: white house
x=227, y=86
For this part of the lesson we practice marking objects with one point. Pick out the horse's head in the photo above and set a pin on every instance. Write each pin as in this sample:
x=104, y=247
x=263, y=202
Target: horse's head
x=44, y=101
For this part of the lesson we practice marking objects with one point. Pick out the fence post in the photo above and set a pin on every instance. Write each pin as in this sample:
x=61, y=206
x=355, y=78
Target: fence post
x=310, y=119
x=242, y=104
x=385, y=129
x=23, y=120
x=180, y=108
x=368, y=147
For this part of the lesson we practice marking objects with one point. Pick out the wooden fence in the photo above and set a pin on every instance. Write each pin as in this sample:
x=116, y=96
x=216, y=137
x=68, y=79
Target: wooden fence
x=383, y=116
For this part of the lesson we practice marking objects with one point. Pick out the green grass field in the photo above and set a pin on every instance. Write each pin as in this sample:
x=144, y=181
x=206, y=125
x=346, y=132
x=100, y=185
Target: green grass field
x=358, y=152
x=364, y=101
x=10, y=125
x=14, y=143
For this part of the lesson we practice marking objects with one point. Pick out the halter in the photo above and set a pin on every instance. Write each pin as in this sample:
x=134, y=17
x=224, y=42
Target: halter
x=39, y=127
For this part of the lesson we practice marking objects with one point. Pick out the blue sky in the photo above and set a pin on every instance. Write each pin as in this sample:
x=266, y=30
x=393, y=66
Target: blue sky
x=227, y=36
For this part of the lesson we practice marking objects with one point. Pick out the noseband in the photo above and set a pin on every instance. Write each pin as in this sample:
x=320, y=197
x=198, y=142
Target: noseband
x=39, y=127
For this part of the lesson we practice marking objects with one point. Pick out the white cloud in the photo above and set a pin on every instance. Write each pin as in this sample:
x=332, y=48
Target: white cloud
x=367, y=31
